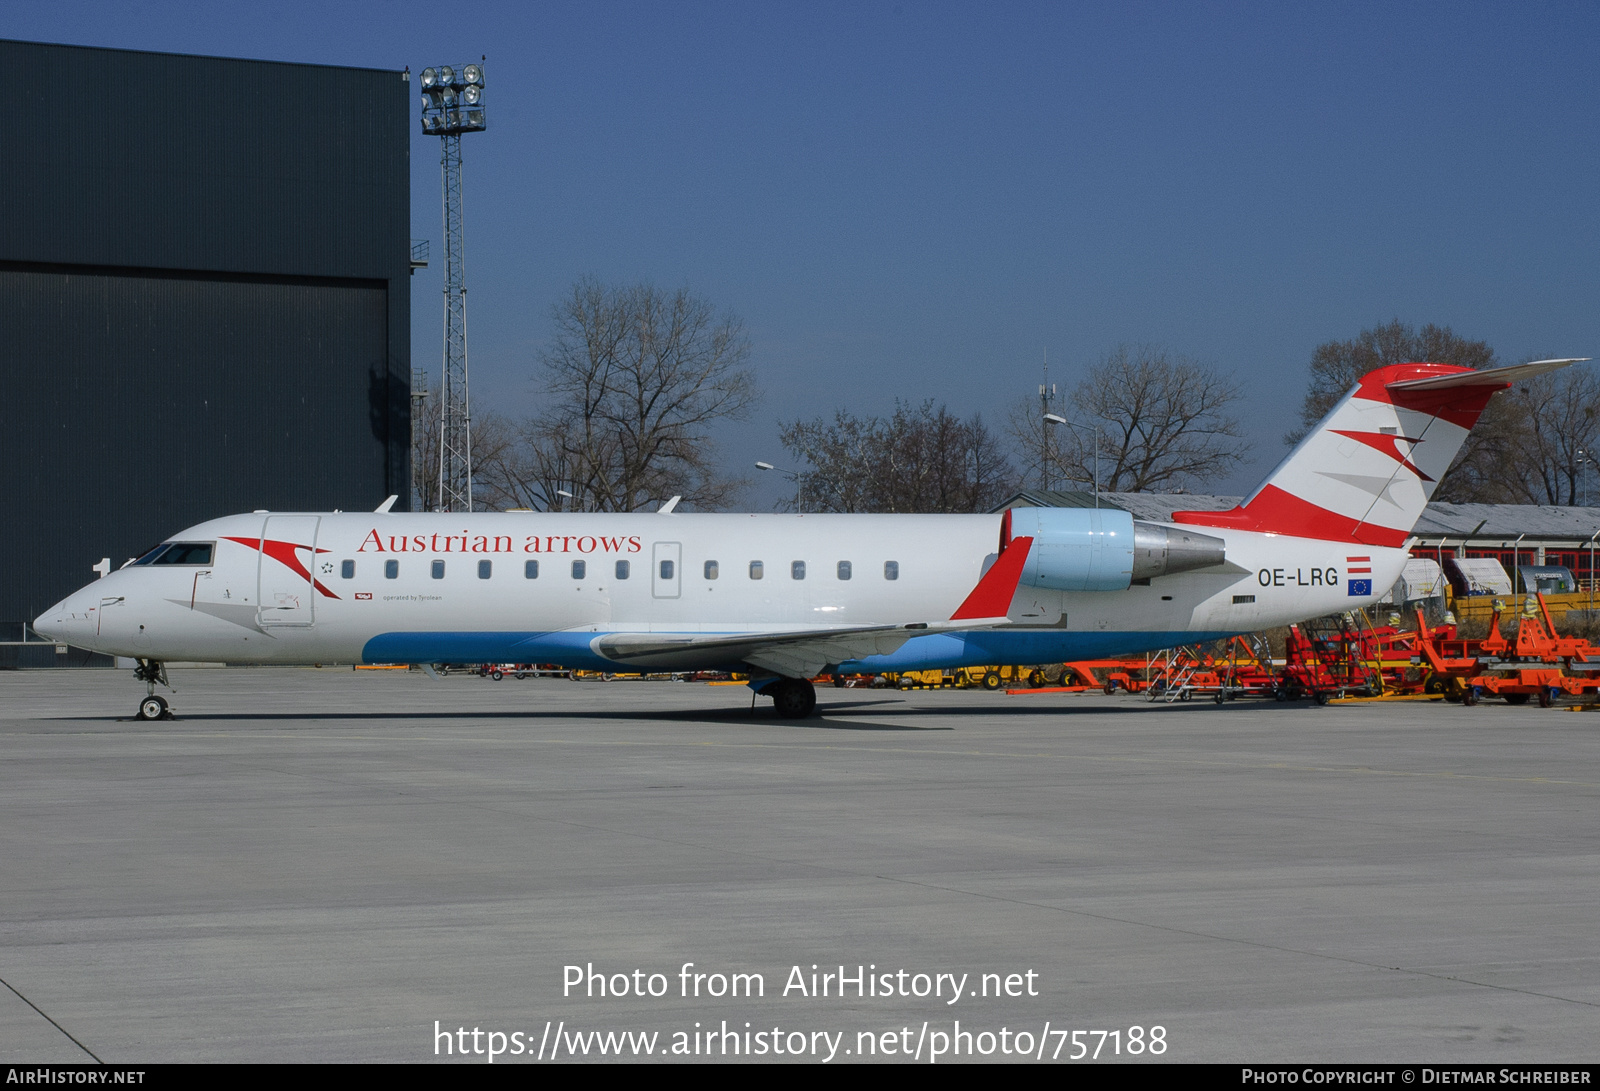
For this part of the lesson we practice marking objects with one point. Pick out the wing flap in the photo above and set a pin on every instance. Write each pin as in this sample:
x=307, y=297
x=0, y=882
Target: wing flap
x=797, y=654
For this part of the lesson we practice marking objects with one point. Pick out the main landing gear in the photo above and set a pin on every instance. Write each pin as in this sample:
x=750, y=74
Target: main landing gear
x=794, y=698
x=151, y=674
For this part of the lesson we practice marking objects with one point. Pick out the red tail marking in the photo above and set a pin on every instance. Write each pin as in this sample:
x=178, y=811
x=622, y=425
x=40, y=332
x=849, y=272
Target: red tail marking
x=1386, y=442
x=1458, y=405
x=283, y=553
x=992, y=597
x=1282, y=512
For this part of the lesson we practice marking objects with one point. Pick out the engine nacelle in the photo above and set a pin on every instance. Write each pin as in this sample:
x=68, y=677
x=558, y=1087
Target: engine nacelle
x=1105, y=549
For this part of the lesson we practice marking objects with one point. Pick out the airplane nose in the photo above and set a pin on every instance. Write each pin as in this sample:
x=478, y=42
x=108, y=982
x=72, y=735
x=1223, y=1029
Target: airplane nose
x=68, y=619
x=52, y=623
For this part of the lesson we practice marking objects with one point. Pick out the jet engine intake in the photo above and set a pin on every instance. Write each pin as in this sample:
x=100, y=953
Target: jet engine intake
x=1105, y=549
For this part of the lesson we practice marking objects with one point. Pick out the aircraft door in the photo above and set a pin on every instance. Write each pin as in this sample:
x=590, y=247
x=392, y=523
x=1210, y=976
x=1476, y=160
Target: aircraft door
x=286, y=572
x=666, y=569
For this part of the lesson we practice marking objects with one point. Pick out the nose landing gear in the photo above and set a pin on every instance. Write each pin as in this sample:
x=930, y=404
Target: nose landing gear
x=152, y=673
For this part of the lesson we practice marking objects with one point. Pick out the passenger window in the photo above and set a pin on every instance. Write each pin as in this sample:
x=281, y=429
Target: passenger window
x=844, y=570
x=485, y=569
x=666, y=570
x=891, y=570
x=711, y=570
x=580, y=569
x=347, y=570
x=797, y=570
x=622, y=570
x=530, y=570
x=755, y=570
x=391, y=569
x=438, y=570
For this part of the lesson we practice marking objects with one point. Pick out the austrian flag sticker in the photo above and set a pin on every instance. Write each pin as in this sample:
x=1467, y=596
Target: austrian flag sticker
x=1359, y=567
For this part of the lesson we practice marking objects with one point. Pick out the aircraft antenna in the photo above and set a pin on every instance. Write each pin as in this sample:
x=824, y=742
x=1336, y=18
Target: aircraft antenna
x=452, y=104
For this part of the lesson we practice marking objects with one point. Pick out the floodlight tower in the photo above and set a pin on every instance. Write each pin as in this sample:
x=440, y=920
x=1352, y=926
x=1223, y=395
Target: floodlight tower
x=452, y=104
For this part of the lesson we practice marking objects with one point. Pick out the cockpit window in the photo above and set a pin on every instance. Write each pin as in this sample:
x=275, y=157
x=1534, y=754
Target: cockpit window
x=179, y=553
x=150, y=555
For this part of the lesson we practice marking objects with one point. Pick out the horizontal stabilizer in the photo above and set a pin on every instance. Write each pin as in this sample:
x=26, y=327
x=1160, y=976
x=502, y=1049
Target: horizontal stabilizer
x=1493, y=376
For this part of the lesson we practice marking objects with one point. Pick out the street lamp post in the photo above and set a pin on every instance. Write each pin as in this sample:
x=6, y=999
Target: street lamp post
x=1056, y=418
x=799, y=506
x=452, y=104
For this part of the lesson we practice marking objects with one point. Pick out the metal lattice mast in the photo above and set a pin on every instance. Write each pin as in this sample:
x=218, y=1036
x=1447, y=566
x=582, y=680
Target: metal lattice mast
x=455, y=421
x=452, y=104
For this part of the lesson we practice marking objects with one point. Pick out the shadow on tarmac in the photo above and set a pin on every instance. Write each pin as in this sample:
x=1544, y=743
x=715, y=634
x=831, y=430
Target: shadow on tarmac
x=828, y=716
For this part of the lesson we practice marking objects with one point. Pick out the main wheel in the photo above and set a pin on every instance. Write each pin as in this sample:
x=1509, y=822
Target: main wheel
x=497, y=674
x=991, y=680
x=838, y=680
x=1469, y=696
x=1322, y=696
x=794, y=698
x=1036, y=678
x=153, y=708
x=1110, y=688
x=1547, y=696
x=1220, y=697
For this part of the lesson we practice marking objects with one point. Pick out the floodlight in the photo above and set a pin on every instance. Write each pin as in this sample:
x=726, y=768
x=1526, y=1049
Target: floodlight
x=447, y=75
x=447, y=97
x=472, y=74
x=430, y=77
x=472, y=94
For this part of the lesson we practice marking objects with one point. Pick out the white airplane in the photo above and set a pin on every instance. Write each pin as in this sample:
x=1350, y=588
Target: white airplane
x=785, y=597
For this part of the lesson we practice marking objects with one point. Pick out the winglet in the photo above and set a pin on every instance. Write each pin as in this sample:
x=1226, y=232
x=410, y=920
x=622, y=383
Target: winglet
x=666, y=509
x=992, y=597
x=383, y=508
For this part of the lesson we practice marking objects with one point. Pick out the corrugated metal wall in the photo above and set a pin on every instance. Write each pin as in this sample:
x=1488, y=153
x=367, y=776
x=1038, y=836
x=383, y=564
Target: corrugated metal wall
x=204, y=303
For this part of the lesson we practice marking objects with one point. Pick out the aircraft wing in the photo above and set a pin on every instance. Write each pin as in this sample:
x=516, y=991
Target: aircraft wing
x=795, y=653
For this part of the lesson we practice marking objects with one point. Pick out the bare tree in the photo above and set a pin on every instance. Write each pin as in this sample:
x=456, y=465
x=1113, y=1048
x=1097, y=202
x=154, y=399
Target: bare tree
x=492, y=444
x=921, y=459
x=1336, y=365
x=1142, y=420
x=634, y=380
x=1550, y=430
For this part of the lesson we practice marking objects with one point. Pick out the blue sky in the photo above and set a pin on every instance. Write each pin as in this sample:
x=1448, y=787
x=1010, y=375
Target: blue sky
x=917, y=200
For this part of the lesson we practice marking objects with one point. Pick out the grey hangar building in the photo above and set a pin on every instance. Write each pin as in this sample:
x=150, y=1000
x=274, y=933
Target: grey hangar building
x=204, y=305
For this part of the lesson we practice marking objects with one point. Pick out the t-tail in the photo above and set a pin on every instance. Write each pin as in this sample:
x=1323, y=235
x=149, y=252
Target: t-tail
x=1367, y=470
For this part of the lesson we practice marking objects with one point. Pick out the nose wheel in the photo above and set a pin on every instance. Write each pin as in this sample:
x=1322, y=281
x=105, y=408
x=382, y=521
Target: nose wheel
x=152, y=674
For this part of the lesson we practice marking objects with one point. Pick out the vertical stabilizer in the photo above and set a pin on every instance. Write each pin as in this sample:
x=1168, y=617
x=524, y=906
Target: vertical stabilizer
x=1367, y=470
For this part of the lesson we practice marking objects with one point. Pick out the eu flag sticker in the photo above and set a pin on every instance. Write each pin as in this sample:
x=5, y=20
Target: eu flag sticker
x=1359, y=588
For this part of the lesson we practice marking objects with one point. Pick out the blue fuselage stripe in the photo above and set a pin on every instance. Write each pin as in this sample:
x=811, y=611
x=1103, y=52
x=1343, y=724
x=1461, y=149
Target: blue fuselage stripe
x=936, y=650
